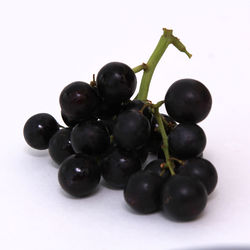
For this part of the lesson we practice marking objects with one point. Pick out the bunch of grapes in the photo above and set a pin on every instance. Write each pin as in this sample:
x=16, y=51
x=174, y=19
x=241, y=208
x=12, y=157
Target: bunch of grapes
x=109, y=135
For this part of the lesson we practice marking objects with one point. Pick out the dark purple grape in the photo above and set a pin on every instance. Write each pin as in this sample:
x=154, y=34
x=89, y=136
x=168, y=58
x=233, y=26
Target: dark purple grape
x=143, y=191
x=186, y=141
x=116, y=82
x=188, y=100
x=79, y=175
x=202, y=170
x=90, y=137
x=78, y=101
x=183, y=198
x=60, y=145
x=154, y=167
x=118, y=166
x=39, y=129
x=131, y=130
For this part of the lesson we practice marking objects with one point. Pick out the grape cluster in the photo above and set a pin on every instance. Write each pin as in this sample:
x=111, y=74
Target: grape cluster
x=110, y=136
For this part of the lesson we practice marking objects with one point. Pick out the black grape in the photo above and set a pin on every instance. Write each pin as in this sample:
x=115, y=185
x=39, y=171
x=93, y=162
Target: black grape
x=60, y=145
x=131, y=130
x=90, y=137
x=78, y=101
x=39, y=129
x=186, y=141
x=188, y=100
x=116, y=82
x=143, y=192
x=183, y=198
x=118, y=166
x=79, y=175
x=201, y=169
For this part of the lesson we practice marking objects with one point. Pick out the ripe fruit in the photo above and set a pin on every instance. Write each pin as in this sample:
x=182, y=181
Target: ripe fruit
x=112, y=135
x=116, y=82
x=118, y=166
x=186, y=141
x=131, y=130
x=60, y=145
x=79, y=175
x=183, y=198
x=90, y=137
x=188, y=100
x=78, y=101
x=142, y=192
x=202, y=170
x=39, y=129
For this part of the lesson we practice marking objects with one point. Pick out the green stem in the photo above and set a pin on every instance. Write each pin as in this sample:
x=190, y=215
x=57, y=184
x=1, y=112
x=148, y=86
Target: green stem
x=164, y=136
x=158, y=104
x=137, y=69
x=166, y=39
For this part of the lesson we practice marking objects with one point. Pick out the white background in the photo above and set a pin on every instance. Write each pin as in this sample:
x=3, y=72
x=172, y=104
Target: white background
x=45, y=45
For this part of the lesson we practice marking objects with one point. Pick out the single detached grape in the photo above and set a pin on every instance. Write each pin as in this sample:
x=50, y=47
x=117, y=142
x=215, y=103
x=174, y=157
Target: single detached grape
x=131, y=130
x=186, y=141
x=202, y=170
x=143, y=191
x=188, y=100
x=90, y=137
x=116, y=82
x=118, y=166
x=154, y=167
x=60, y=145
x=183, y=198
x=78, y=101
x=79, y=175
x=39, y=129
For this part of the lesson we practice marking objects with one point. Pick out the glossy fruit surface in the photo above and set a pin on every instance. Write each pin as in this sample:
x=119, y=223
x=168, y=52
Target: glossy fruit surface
x=183, y=198
x=78, y=100
x=116, y=82
x=143, y=191
x=118, y=166
x=90, y=137
x=201, y=169
x=154, y=167
x=79, y=175
x=39, y=129
x=188, y=100
x=186, y=141
x=131, y=130
x=60, y=145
